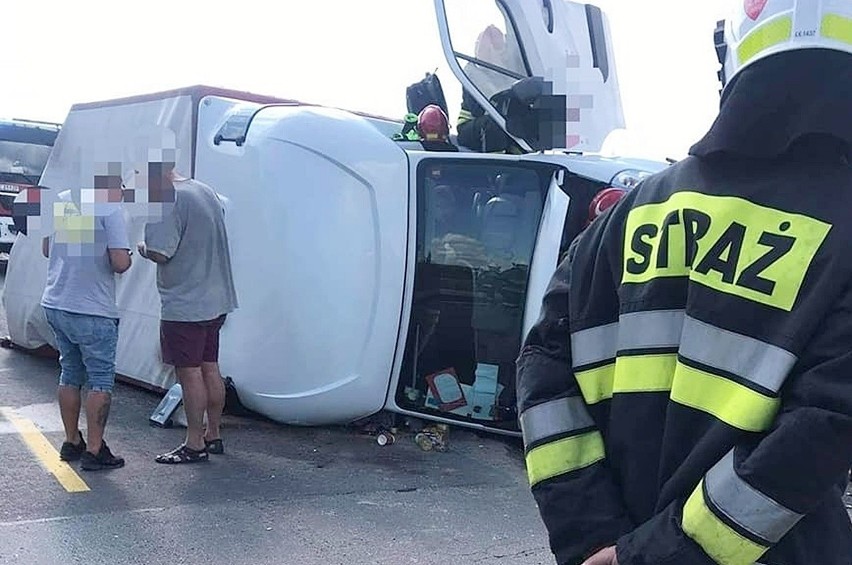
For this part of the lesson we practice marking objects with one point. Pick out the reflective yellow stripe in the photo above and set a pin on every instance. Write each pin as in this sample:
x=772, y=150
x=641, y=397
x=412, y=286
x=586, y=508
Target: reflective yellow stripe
x=837, y=27
x=723, y=544
x=634, y=373
x=563, y=456
x=464, y=116
x=763, y=37
x=596, y=384
x=731, y=402
x=645, y=373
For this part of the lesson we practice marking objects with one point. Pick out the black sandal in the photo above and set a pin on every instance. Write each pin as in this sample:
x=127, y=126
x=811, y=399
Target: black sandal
x=214, y=446
x=181, y=455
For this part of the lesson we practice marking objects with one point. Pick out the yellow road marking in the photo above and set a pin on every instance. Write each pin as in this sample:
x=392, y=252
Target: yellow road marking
x=46, y=453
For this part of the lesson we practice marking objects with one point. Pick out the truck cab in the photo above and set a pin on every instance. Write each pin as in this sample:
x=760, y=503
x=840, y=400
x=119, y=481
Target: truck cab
x=24, y=149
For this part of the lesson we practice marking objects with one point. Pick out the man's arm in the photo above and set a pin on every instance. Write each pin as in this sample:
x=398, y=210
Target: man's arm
x=751, y=499
x=118, y=244
x=151, y=255
x=576, y=494
x=119, y=260
x=163, y=238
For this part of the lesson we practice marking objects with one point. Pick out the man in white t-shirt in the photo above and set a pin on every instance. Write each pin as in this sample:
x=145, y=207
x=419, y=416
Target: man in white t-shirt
x=88, y=246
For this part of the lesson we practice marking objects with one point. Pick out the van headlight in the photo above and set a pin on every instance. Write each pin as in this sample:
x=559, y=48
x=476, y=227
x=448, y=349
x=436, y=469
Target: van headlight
x=629, y=178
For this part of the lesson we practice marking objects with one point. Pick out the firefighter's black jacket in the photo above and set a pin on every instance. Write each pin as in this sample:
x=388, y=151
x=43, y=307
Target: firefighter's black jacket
x=687, y=391
x=478, y=132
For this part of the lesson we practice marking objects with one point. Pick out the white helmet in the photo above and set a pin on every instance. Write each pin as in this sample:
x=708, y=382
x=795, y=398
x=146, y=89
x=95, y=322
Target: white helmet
x=757, y=29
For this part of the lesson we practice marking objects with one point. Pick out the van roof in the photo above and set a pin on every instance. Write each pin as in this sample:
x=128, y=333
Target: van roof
x=199, y=91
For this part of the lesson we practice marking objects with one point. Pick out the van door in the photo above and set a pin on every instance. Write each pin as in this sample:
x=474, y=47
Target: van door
x=561, y=48
x=484, y=241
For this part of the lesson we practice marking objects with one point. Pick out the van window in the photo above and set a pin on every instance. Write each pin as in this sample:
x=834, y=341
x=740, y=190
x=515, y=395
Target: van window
x=486, y=44
x=476, y=230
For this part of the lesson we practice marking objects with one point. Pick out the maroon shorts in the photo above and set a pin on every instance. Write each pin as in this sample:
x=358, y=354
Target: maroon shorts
x=188, y=344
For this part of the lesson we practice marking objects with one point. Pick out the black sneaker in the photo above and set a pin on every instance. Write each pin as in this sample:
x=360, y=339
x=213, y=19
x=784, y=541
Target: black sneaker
x=72, y=452
x=103, y=460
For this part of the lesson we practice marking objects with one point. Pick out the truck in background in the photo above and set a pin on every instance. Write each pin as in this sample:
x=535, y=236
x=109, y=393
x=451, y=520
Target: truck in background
x=25, y=146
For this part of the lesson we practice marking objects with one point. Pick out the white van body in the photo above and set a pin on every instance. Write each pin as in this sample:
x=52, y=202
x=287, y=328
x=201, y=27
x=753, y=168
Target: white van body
x=371, y=274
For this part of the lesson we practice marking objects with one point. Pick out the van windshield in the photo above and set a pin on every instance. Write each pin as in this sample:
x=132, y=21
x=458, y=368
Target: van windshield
x=22, y=163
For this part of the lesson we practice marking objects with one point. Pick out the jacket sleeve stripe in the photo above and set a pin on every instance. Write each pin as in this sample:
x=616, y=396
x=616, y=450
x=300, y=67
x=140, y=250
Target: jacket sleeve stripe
x=724, y=500
x=634, y=373
x=761, y=363
x=464, y=116
x=746, y=506
x=557, y=417
x=722, y=543
x=731, y=402
x=644, y=373
x=596, y=384
x=594, y=345
x=564, y=456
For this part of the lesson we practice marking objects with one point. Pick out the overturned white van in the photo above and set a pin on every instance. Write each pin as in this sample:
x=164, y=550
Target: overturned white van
x=372, y=275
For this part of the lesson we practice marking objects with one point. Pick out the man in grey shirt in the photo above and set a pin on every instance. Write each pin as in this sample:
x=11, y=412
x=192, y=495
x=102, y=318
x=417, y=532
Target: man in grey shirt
x=196, y=285
x=89, y=245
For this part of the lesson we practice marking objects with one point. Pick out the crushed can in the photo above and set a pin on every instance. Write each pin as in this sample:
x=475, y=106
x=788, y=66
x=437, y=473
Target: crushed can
x=385, y=437
x=433, y=437
x=424, y=441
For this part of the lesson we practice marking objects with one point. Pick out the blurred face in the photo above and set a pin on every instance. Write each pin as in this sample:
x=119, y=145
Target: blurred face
x=491, y=45
x=108, y=188
x=160, y=181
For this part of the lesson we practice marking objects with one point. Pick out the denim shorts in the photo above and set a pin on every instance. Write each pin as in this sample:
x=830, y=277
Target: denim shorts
x=87, y=347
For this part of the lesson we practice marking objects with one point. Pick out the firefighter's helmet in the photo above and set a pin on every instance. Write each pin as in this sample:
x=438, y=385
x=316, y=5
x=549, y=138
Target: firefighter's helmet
x=603, y=201
x=432, y=124
x=757, y=29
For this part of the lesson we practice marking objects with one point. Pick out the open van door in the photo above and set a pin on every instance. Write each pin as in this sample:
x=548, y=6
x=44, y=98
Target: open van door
x=549, y=62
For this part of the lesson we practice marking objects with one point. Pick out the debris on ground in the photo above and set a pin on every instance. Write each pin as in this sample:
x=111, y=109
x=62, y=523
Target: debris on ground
x=433, y=437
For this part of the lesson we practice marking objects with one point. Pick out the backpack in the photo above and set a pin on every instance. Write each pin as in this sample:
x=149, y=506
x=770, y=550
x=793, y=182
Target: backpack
x=424, y=92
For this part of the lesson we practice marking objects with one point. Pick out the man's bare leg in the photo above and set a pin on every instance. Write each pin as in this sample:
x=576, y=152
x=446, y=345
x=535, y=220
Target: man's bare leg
x=69, y=409
x=97, y=413
x=215, y=399
x=194, y=403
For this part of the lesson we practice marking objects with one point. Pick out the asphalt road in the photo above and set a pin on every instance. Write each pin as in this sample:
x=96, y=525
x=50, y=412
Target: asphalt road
x=279, y=495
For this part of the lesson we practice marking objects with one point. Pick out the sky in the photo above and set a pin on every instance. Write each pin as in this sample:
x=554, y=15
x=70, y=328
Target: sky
x=353, y=54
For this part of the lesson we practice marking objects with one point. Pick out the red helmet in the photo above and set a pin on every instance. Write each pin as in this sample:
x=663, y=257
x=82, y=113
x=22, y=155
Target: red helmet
x=433, y=124
x=604, y=200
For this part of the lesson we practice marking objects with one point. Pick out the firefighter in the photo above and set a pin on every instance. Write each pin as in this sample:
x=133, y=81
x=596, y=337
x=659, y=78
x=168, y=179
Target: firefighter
x=433, y=128
x=686, y=394
x=476, y=130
